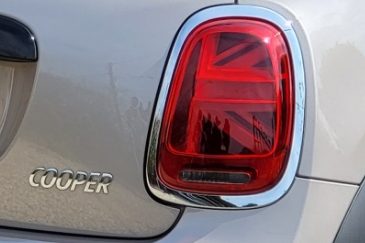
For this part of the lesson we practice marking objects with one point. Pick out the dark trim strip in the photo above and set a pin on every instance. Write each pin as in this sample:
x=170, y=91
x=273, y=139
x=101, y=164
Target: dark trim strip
x=17, y=42
x=352, y=227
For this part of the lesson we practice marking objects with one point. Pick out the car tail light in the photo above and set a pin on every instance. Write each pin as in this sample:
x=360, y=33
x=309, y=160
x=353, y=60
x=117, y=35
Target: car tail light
x=228, y=119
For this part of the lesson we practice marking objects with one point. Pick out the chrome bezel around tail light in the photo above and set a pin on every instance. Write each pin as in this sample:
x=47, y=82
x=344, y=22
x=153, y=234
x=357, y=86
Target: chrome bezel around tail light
x=162, y=192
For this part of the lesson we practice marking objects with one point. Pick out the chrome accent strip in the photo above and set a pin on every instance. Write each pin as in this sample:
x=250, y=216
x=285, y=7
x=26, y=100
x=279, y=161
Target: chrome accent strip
x=232, y=201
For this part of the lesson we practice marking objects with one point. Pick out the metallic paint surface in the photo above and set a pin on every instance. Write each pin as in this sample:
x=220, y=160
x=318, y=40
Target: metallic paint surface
x=99, y=68
x=311, y=212
x=79, y=57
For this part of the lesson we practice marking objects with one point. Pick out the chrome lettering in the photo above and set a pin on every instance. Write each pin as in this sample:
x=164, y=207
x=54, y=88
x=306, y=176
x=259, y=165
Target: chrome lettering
x=93, y=179
x=105, y=181
x=69, y=180
x=32, y=181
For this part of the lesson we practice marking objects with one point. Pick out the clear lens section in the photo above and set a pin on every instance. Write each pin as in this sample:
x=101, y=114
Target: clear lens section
x=228, y=121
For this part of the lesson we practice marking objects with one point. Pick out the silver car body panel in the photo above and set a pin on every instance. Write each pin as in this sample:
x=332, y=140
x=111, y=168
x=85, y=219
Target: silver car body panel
x=100, y=64
x=312, y=211
x=306, y=214
x=95, y=56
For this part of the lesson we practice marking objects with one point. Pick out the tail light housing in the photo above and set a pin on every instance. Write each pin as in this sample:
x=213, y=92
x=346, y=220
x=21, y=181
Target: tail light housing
x=228, y=122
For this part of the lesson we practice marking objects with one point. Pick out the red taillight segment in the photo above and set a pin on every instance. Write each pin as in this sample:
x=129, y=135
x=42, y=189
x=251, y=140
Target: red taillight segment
x=227, y=125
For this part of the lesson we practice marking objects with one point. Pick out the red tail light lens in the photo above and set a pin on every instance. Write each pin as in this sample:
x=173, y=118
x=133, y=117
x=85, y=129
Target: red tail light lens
x=228, y=121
